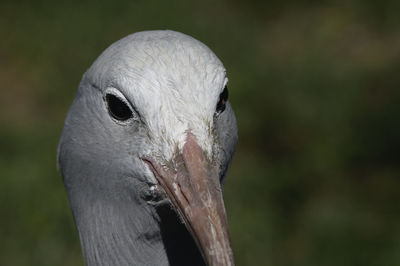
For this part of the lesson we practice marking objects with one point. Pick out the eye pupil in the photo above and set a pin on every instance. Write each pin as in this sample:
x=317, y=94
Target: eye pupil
x=223, y=98
x=118, y=108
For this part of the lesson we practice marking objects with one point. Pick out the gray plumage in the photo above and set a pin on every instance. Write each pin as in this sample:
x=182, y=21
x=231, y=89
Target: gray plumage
x=107, y=182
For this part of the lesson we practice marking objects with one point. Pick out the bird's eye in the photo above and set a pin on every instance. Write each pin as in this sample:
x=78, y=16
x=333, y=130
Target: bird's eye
x=223, y=98
x=118, y=108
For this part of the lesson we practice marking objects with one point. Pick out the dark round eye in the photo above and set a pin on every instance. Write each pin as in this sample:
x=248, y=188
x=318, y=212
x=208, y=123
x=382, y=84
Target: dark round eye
x=223, y=98
x=118, y=108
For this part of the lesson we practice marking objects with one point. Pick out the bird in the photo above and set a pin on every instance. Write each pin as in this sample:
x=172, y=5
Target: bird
x=145, y=150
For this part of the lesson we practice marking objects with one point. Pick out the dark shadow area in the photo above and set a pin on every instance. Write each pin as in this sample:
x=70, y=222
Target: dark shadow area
x=181, y=248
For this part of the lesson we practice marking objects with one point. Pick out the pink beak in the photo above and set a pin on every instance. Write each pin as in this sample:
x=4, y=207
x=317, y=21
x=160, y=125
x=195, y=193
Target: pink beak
x=194, y=189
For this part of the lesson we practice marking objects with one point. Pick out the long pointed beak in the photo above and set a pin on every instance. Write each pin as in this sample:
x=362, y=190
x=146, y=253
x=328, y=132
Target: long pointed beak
x=194, y=188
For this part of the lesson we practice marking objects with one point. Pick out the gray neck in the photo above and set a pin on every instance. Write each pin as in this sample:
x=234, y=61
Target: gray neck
x=124, y=230
x=119, y=233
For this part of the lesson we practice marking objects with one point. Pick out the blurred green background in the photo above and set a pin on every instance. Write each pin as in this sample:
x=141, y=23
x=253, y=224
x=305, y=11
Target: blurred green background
x=315, y=87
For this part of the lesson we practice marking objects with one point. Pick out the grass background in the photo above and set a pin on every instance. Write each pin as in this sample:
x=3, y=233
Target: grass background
x=315, y=87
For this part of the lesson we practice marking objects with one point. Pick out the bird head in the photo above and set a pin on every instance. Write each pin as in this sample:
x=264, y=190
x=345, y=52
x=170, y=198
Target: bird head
x=151, y=123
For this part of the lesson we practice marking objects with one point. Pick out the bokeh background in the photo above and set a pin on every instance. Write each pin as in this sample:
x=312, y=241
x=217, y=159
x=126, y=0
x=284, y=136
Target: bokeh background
x=315, y=87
